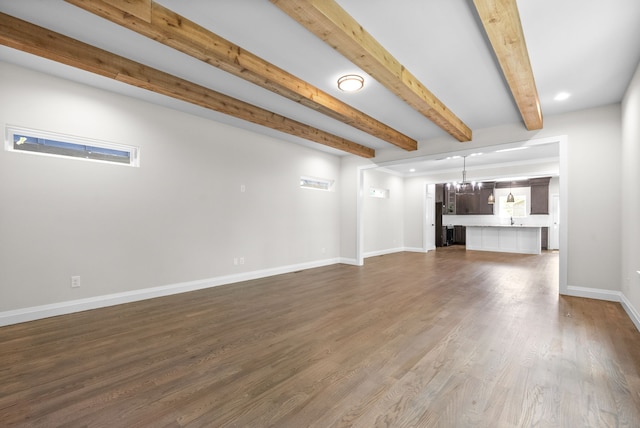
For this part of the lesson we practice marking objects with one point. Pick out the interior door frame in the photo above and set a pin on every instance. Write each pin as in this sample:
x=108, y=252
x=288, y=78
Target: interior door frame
x=429, y=219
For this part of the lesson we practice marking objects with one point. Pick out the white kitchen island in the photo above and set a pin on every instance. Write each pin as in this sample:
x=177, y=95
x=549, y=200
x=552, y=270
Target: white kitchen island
x=505, y=239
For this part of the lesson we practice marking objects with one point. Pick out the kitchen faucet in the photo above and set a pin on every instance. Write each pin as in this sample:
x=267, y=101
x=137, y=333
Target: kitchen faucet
x=511, y=221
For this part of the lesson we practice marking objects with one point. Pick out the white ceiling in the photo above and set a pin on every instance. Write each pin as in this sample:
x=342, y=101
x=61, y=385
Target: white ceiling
x=587, y=48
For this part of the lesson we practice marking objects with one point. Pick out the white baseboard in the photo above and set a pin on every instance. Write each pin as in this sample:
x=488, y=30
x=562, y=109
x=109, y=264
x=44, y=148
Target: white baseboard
x=346, y=261
x=609, y=295
x=68, y=307
x=593, y=293
x=415, y=250
x=631, y=311
x=383, y=252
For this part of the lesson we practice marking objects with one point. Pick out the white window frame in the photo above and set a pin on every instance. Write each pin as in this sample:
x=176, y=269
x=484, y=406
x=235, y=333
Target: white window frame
x=375, y=192
x=13, y=131
x=316, y=183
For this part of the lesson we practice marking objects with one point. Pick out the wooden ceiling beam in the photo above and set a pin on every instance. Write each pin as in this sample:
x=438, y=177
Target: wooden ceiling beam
x=27, y=37
x=327, y=20
x=501, y=21
x=177, y=32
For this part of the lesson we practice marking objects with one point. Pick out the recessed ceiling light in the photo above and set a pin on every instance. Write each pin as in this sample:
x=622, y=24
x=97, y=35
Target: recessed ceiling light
x=562, y=96
x=412, y=170
x=350, y=83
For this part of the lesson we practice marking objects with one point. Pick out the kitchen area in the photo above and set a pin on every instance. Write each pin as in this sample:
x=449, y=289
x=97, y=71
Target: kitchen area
x=516, y=215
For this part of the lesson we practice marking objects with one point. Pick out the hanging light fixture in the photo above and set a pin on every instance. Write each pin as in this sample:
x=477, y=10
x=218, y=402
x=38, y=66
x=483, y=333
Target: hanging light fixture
x=510, y=197
x=465, y=186
x=492, y=199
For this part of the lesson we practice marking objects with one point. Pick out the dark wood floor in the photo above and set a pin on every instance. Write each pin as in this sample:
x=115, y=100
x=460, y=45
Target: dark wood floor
x=447, y=339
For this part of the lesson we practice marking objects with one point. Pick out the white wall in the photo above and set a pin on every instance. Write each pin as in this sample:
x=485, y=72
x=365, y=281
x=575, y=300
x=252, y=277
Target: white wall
x=180, y=217
x=383, y=220
x=594, y=193
x=630, y=212
x=592, y=179
x=414, y=212
x=351, y=208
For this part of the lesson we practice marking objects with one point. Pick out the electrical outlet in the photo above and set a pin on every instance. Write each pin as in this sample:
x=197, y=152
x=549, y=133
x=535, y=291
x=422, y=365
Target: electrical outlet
x=75, y=281
x=243, y=188
x=241, y=260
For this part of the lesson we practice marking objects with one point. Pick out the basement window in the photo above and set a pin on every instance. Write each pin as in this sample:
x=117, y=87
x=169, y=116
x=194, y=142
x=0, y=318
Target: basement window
x=379, y=193
x=316, y=183
x=58, y=145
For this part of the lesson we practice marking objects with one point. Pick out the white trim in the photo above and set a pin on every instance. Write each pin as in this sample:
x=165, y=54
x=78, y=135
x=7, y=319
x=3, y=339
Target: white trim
x=359, y=219
x=396, y=250
x=69, y=307
x=467, y=152
x=608, y=295
x=352, y=262
x=324, y=181
x=417, y=249
x=631, y=311
x=564, y=214
x=10, y=131
x=359, y=214
x=593, y=293
x=427, y=229
x=383, y=252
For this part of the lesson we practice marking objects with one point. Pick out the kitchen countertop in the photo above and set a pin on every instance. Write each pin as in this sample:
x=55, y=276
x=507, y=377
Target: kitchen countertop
x=504, y=225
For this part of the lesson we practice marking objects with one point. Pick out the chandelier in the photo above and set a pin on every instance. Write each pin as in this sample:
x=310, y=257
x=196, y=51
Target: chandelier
x=465, y=186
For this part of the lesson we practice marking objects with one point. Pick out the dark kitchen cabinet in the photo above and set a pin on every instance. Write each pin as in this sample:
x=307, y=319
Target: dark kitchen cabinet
x=440, y=193
x=466, y=203
x=439, y=235
x=449, y=200
x=459, y=235
x=475, y=202
x=539, y=195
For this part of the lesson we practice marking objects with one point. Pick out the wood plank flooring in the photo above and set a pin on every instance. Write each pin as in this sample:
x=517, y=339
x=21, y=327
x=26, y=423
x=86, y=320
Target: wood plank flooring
x=444, y=339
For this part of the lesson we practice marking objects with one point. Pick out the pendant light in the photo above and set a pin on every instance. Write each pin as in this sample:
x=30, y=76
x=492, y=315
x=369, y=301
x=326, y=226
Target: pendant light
x=510, y=197
x=467, y=187
x=492, y=199
x=462, y=187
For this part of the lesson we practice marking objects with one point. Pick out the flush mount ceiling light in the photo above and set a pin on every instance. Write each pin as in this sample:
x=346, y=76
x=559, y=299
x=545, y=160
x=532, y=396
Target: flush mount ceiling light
x=350, y=83
x=562, y=96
